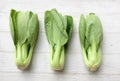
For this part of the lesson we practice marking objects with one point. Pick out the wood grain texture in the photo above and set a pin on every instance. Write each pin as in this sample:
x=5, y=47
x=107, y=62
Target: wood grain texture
x=75, y=70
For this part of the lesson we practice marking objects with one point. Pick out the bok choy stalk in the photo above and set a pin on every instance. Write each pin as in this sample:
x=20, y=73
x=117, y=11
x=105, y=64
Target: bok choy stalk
x=58, y=30
x=91, y=35
x=24, y=28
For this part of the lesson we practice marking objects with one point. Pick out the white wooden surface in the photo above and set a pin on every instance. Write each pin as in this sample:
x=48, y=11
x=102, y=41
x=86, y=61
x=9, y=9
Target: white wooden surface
x=75, y=70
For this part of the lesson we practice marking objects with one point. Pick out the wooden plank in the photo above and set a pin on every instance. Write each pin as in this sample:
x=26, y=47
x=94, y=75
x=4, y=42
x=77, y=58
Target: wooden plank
x=57, y=76
x=71, y=6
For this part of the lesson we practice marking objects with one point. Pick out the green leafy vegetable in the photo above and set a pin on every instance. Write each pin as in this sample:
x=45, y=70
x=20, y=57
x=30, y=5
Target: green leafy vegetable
x=24, y=30
x=91, y=35
x=58, y=31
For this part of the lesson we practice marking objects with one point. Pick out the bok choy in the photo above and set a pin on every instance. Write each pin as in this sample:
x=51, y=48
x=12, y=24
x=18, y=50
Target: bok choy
x=91, y=35
x=24, y=28
x=58, y=30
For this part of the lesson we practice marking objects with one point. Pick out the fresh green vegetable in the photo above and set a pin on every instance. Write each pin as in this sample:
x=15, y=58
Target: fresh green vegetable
x=58, y=31
x=91, y=35
x=24, y=28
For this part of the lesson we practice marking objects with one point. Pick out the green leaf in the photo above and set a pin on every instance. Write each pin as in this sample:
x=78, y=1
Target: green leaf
x=13, y=14
x=22, y=26
x=33, y=29
x=93, y=29
x=82, y=30
x=69, y=28
x=59, y=31
x=48, y=20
